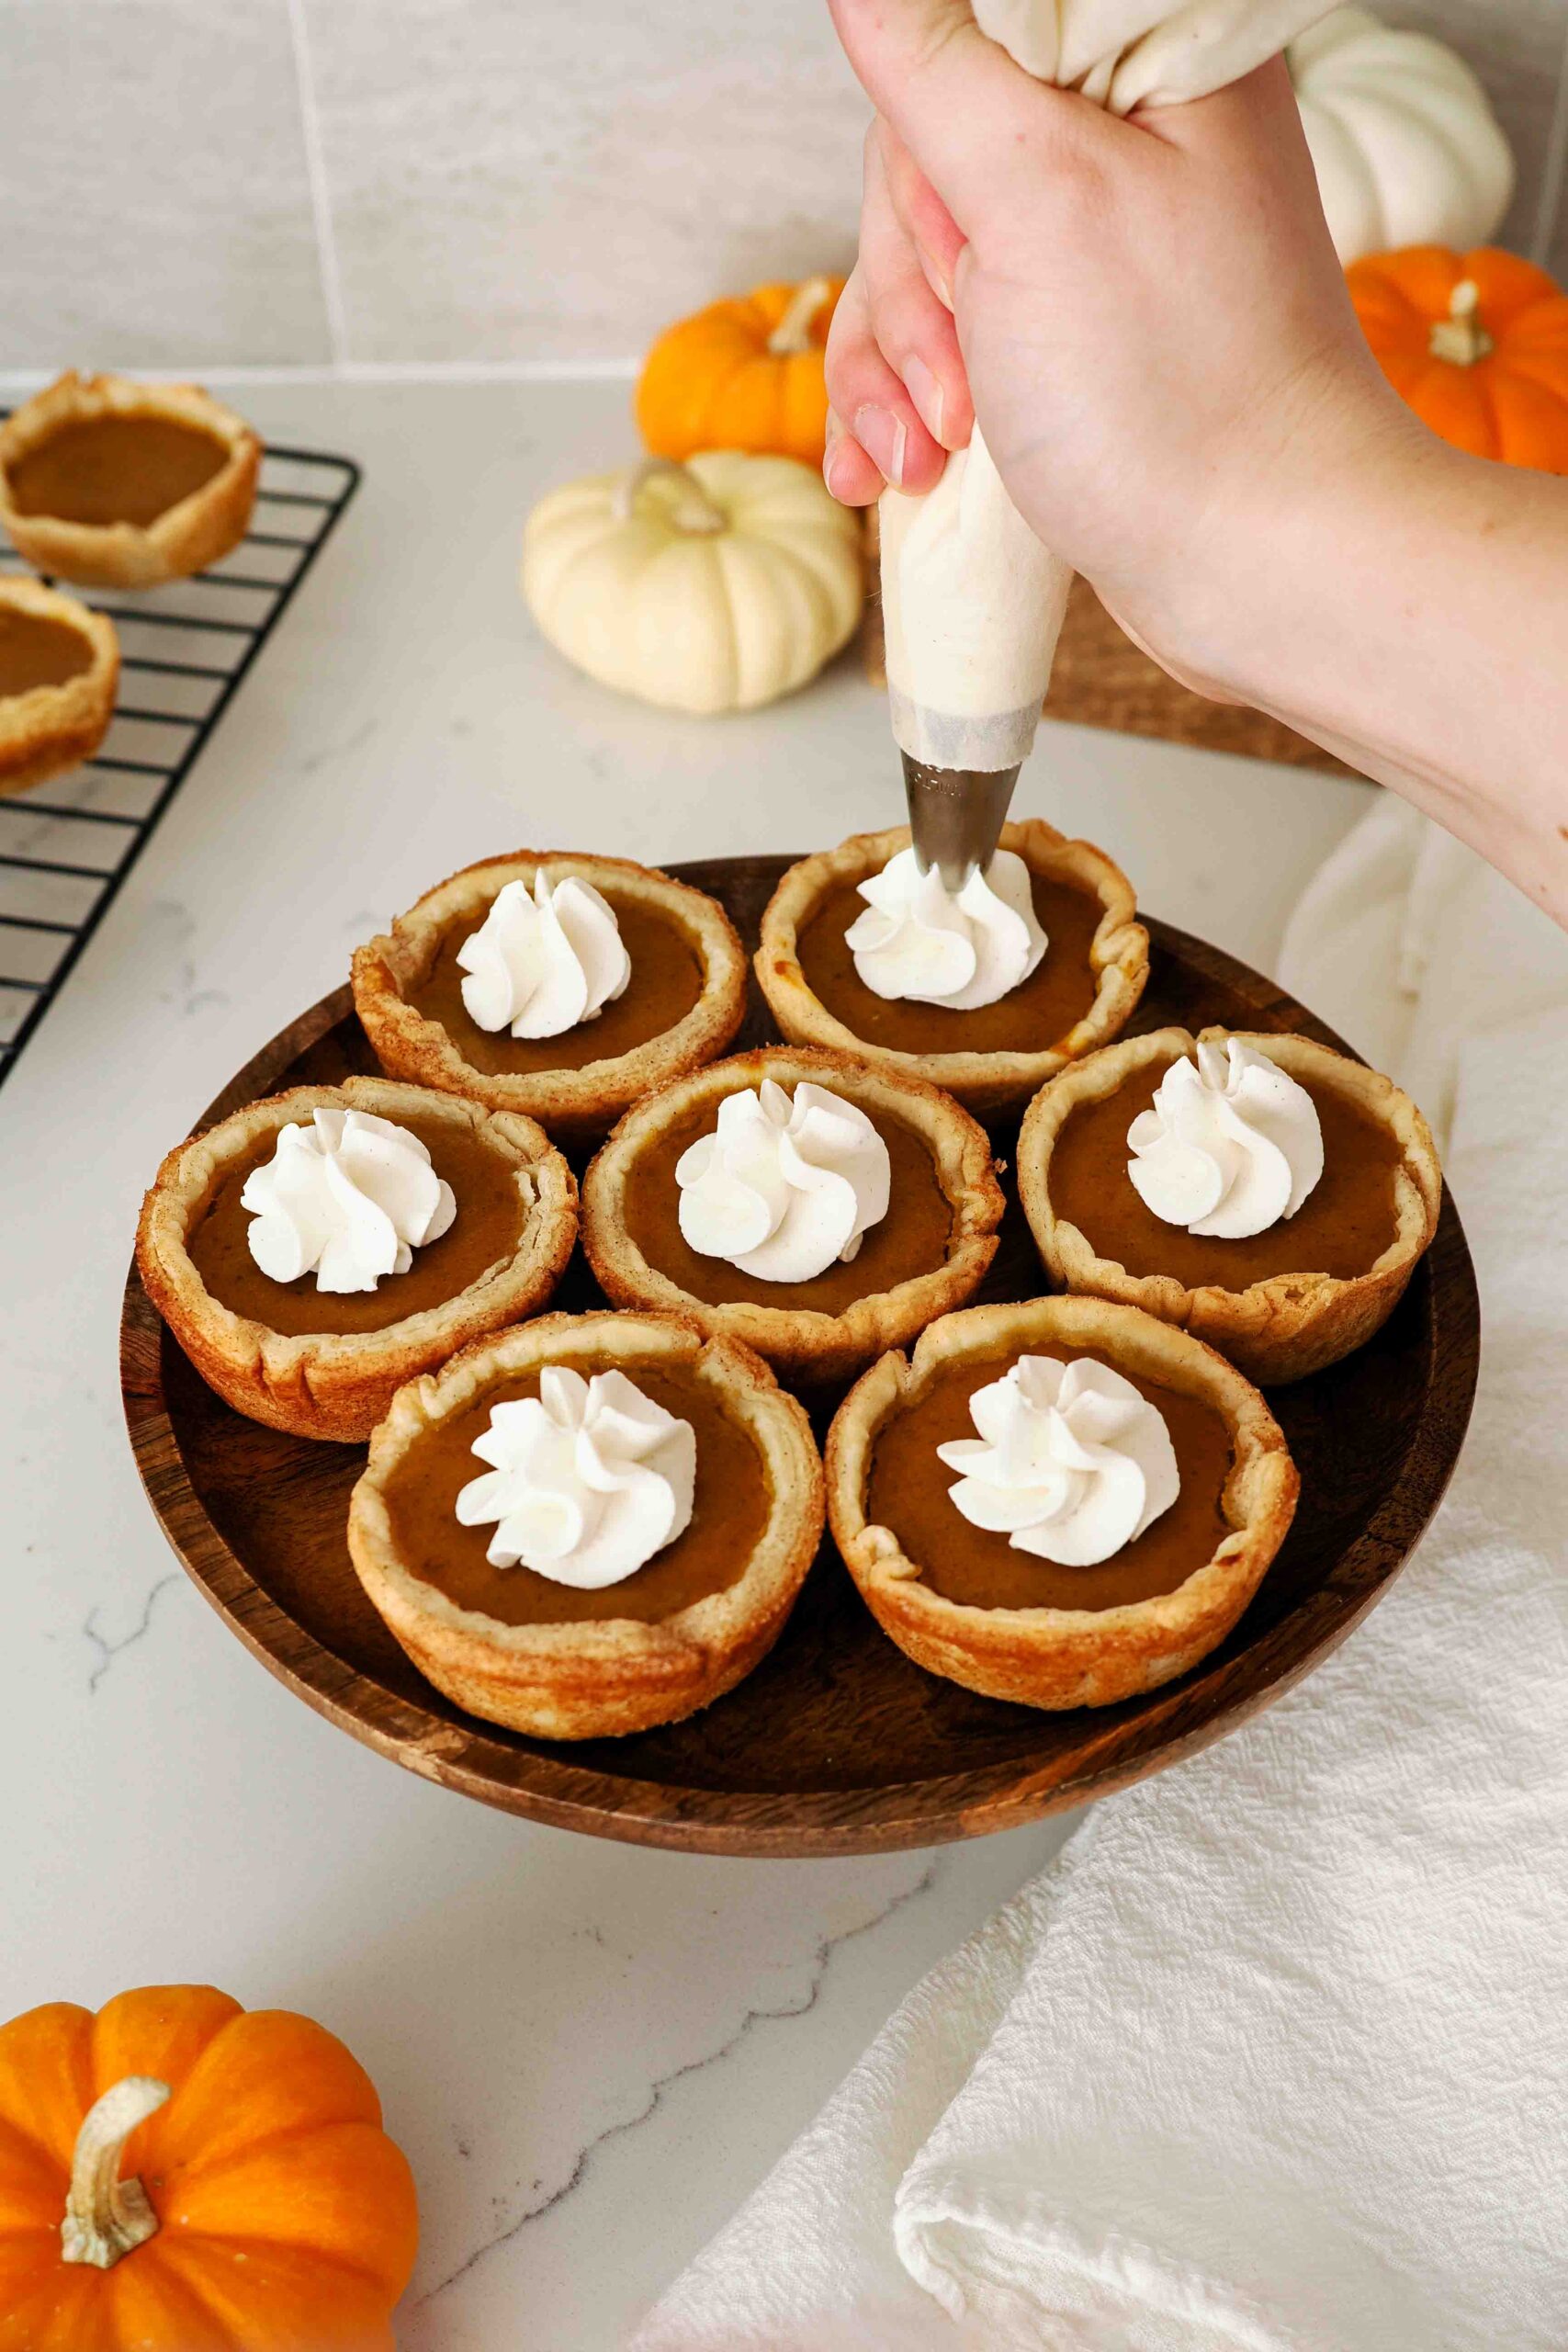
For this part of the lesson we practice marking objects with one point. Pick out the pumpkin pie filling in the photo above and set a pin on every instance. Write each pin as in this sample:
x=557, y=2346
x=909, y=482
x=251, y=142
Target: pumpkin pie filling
x=488, y=1228
x=1036, y=1016
x=979, y=1569
x=1342, y=1228
x=36, y=652
x=912, y=1239
x=666, y=982
x=100, y=470
x=731, y=1508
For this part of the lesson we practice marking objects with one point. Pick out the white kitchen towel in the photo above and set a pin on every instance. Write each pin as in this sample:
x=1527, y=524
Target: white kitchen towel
x=1275, y=2058
x=1411, y=945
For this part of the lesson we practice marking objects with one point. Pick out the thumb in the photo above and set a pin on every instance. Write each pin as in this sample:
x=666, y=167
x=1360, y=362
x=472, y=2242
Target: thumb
x=982, y=130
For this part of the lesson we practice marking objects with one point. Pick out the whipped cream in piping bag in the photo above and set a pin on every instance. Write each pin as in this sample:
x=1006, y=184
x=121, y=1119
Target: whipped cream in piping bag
x=782, y=1189
x=972, y=607
x=349, y=1199
x=543, y=960
x=917, y=940
x=587, y=1480
x=971, y=602
x=1229, y=1146
x=1127, y=53
x=1072, y=1463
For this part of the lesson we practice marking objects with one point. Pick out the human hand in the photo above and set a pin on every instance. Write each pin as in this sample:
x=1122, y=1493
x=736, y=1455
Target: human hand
x=1148, y=314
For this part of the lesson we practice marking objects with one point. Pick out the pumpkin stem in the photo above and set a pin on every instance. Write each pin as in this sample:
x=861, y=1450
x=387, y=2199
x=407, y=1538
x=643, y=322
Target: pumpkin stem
x=793, y=332
x=1460, y=337
x=105, y=2216
x=694, y=510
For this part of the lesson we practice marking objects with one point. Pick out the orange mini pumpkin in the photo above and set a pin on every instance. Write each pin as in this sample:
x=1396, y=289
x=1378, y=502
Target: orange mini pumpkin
x=743, y=374
x=179, y=2175
x=1477, y=342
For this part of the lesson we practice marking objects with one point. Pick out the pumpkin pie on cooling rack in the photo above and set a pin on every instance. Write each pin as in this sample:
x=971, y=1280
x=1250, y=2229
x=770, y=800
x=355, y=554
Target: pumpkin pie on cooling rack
x=591, y=1524
x=563, y=986
x=1062, y=1503
x=59, y=671
x=1264, y=1192
x=122, y=484
x=314, y=1250
x=812, y=1206
x=1038, y=960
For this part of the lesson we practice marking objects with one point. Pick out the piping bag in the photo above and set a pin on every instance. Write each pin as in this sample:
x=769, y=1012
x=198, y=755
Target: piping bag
x=971, y=602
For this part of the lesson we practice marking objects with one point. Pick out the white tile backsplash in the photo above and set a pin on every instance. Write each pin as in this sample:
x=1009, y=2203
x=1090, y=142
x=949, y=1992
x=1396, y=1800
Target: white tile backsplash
x=154, y=204
x=1519, y=49
x=553, y=182
x=503, y=182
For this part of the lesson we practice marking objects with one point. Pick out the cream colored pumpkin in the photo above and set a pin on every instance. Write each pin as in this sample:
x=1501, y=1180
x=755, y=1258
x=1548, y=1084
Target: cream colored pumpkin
x=713, y=585
x=1407, y=149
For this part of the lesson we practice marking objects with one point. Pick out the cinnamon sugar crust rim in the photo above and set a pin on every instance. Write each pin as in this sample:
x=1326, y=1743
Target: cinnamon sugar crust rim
x=47, y=730
x=805, y=1343
x=1290, y=1325
x=185, y=538
x=579, y=1105
x=614, y=1675
x=984, y=1082
x=1057, y=1658
x=337, y=1385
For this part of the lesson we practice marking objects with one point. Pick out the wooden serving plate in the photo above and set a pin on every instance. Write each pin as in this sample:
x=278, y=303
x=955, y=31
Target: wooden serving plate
x=837, y=1743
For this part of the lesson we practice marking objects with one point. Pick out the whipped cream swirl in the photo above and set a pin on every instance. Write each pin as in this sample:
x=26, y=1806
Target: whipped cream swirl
x=349, y=1199
x=781, y=1188
x=589, y=1479
x=917, y=940
x=542, y=962
x=1071, y=1462
x=1228, y=1147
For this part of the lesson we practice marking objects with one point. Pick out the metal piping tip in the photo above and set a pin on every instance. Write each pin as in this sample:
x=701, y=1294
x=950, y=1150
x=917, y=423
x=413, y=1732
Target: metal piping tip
x=956, y=816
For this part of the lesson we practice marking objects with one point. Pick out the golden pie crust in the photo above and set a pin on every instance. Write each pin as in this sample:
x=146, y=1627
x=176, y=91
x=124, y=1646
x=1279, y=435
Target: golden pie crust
x=579, y=1104
x=185, y=538
x=984, y=1082
x=1063, y=1657
x=596, y=1680
x=1290, y=1325
x=805, y=1343
x=50, y=729
x=338, y=1385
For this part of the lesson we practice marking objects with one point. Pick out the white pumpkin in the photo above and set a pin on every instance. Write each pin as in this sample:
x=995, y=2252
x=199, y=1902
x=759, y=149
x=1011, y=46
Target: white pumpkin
x=1407, y=149
x=714, y=585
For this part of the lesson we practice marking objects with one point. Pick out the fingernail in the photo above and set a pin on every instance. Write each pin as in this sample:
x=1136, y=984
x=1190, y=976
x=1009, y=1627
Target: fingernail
x=927, y=395
x=940, y=284
x=882, y=436
x=831, y=457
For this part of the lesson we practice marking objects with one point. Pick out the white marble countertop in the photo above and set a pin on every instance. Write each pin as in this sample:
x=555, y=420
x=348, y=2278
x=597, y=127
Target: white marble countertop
x=590, y=2053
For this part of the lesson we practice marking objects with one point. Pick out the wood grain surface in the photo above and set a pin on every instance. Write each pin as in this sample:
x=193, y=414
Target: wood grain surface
x=837, y=1743
x=1101, y=679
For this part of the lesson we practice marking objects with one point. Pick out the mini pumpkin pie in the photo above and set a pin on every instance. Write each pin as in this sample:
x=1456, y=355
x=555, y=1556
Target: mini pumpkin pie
x=814, y=1206
x=1036, y=962
x=1061, y=1503
x=123, y=485
x=1266, y=1193
x=314, y=1250
x=59, y=671
x=562, y=987
x=590, y=1525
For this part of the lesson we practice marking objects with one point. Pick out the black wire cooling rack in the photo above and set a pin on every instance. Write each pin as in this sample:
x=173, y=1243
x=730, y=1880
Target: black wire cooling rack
x=66, y=847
